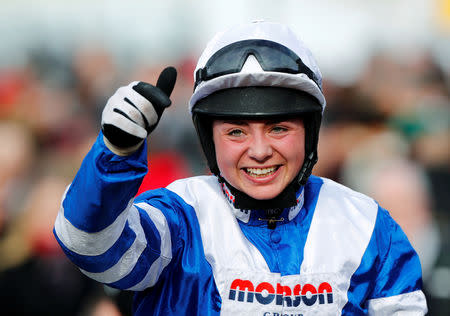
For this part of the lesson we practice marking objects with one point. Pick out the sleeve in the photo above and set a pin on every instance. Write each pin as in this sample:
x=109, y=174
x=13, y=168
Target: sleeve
x=100, y=229
x=397, y=289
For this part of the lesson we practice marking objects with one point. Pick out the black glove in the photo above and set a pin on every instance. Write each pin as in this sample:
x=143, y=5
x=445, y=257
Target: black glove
x=134, y=111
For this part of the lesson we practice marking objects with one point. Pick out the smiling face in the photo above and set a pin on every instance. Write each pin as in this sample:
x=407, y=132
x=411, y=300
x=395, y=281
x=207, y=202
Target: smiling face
x=259, y=157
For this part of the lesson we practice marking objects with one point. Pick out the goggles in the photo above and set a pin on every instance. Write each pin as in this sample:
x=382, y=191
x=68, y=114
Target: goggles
x=270, y=55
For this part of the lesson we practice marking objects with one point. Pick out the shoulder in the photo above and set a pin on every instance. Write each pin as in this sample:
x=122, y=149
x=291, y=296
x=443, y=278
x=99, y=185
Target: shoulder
x=196, y=184
x=193, y=181
x=361, y=209
x=332, y=190
x=344, y=208
x=193, y=189
x=178, y=202
x=183, y=194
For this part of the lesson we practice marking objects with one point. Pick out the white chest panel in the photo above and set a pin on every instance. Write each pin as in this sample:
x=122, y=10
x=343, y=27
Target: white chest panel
x=244, y=281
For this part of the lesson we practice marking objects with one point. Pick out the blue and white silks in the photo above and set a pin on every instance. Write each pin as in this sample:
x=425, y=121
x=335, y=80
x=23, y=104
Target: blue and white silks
x=186, y=250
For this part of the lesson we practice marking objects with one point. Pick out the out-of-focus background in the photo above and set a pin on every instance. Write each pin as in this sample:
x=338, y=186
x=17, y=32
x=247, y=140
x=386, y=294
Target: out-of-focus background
x=386, y=67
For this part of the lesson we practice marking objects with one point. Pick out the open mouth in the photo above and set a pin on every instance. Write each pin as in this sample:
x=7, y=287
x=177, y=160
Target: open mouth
x=261, y=172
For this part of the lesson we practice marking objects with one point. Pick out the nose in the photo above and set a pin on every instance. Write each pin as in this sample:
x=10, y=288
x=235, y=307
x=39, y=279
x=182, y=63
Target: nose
x=260, y=148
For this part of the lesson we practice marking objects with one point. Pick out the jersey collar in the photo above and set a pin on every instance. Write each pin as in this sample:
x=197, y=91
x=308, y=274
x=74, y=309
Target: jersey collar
x=259, y=217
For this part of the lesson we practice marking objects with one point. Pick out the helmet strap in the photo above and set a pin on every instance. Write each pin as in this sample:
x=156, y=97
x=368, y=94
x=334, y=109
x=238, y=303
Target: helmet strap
x=306, y=169
x=286, y=199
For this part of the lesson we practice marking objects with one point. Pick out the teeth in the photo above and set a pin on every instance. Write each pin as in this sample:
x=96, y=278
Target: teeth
x=260, y=172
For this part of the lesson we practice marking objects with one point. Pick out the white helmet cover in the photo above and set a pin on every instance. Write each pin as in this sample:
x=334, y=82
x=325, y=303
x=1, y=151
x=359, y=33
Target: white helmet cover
x=252, y=75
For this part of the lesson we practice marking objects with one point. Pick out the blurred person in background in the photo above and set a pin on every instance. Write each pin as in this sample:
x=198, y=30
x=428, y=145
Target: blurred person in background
x=408, y=95
x=404, y=188
x=412, y=95
x=261, y=226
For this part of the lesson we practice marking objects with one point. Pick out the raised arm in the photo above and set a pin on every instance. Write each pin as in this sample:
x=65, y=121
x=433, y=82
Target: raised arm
x=98, y=226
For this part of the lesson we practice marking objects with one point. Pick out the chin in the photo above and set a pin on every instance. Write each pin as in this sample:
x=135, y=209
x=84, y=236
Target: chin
x=262, y=194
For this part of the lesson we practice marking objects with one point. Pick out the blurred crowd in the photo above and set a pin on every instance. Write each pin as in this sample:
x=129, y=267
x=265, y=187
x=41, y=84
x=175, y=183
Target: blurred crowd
x=386, y=135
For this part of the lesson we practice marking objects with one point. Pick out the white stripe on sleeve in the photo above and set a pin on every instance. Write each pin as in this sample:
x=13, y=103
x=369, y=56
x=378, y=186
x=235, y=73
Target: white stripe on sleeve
x=89, y=244
x=158, y=265
x=129, y=259
x=408, y=304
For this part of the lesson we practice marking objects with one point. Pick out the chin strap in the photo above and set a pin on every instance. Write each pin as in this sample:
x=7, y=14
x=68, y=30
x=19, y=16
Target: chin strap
x=240, y=200
x=306, y=170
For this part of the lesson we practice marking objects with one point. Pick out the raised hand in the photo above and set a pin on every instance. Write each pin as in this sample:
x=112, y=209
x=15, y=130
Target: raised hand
x=134, y=111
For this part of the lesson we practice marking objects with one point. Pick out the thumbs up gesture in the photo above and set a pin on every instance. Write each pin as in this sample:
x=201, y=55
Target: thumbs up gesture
x=134, y=111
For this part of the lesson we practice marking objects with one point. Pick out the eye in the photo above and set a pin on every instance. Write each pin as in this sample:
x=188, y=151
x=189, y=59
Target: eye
x=235, y=132
x=279, y=129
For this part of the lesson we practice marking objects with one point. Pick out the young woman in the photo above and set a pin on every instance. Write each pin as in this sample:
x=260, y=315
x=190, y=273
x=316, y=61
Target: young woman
x=260, y=236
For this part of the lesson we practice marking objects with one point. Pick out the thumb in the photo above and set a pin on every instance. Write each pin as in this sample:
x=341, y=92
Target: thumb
x=159, y=95
x=166, y=80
